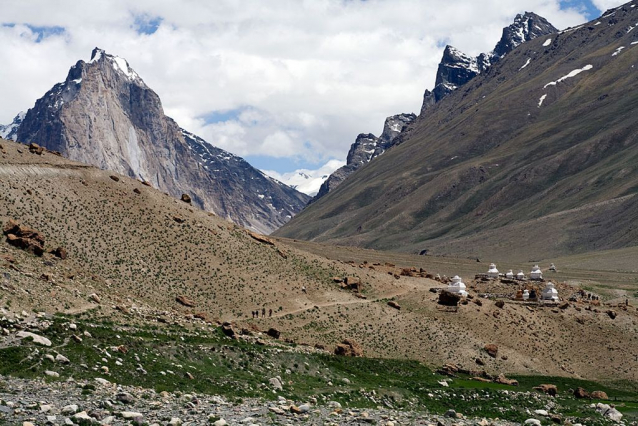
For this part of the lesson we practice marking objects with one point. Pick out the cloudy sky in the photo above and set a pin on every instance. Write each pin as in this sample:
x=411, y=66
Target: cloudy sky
x=286, y=84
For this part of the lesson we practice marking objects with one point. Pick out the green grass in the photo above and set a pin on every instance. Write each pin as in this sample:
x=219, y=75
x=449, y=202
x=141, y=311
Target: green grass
x=239, y=369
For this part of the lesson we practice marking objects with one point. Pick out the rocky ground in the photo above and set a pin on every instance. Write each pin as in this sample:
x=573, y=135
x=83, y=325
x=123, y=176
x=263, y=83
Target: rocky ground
x=35, y=402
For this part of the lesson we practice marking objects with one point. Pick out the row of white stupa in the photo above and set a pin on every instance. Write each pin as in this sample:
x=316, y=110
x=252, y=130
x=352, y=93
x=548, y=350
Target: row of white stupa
x=458, y=286
x=535, y=274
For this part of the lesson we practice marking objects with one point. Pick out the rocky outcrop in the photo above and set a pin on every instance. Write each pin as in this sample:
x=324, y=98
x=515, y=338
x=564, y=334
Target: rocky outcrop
x=105, y=115
x=24, y=237
x=456, y=68
x=349, y=348
x=366, y=148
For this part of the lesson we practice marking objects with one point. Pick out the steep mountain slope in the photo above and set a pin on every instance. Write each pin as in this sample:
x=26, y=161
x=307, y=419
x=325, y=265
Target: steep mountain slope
x=366, y=148
x=455, y=70
x=141, y=258
x=534, y=158
x=105, y=115
x=10, y=131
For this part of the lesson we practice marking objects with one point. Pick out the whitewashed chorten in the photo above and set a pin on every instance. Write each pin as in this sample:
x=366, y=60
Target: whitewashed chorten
x=457, y=286
x=525, y=294
x=536, y=273
x=492, y=272
x=520, y=275
x=550, y=293
x=509, y=275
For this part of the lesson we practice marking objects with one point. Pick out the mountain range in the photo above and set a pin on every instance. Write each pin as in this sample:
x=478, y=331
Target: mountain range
x=104, y=114
x=532, y=158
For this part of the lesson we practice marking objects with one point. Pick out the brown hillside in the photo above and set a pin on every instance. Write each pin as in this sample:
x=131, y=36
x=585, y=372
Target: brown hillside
x=136, y=254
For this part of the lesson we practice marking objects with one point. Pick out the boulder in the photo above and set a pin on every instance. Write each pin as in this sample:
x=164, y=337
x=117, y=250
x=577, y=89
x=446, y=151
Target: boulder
x=185, y=301
x=394, y=305
x=581, y=393
x=60, y=252
x=447, y=298
x=114, y=178
x=34, y=148
x=228, y=330
x=274, y=333
x=505, y=381
x=24, y=237
x=349, y=348
x=599, y=395
x=612, y=314
x=491, y=349
x=276, y=383
x=36, y=339
x=353, y=283
x=186, y=198
x=500, y=304
x=550, y=390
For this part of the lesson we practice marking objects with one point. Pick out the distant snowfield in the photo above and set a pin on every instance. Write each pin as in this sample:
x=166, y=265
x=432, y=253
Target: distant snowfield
x=304, y=180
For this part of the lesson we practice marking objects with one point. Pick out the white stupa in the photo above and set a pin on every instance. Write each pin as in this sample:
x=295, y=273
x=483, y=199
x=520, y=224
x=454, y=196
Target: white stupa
x=509, y=274
x=536, y=273
x=550, y=293
x=492, y=272
x=552, y=267
x=520, y=275
x=525, y=294
x=457, y=286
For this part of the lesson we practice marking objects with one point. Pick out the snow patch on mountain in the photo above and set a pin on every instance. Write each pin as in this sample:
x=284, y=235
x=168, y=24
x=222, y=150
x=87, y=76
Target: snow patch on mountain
x=305, y=180
x=574, y=73
x=10, y=131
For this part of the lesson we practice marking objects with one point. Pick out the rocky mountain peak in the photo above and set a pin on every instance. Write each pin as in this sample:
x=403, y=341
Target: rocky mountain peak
x=456, y=68
x=526, y=27
x=10, y=131
x=104, y=114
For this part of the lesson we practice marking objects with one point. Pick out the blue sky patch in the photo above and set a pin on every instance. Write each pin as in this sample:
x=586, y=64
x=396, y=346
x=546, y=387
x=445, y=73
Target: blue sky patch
x=145, y=24
x=223, y=115
x=42, y=32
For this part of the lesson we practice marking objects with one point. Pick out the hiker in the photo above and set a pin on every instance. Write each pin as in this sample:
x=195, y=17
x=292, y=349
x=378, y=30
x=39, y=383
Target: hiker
x=263, y=312
x=303, y=289
x=253, y=312
x=270, y=312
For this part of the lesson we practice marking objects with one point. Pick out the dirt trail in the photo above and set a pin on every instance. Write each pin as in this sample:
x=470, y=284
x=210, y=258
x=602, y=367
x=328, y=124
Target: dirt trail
x=340, y=303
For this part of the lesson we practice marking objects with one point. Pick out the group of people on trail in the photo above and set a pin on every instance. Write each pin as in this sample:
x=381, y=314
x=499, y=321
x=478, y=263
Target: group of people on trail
x=263, y=313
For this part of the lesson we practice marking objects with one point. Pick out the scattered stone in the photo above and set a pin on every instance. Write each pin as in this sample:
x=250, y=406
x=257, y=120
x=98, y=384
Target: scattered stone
x=115, y=178
x=609, y=412
x=186, y=198
x=612, y=314
x=533, y=422
x=51, y=373
x=500, y=304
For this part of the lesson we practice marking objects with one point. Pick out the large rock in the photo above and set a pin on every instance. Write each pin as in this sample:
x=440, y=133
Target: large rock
x=349, y=348
x=581, y=393
x=550, y=390
x=185, y=301
x=40, y=340
x=24, y=237
x=491, y=349
x=447, y=298
x=274, y=333
x=599, y=395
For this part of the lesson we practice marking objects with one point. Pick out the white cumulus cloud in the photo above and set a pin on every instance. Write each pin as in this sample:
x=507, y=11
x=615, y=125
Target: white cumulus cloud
x=305, y=75
x=305, y=180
